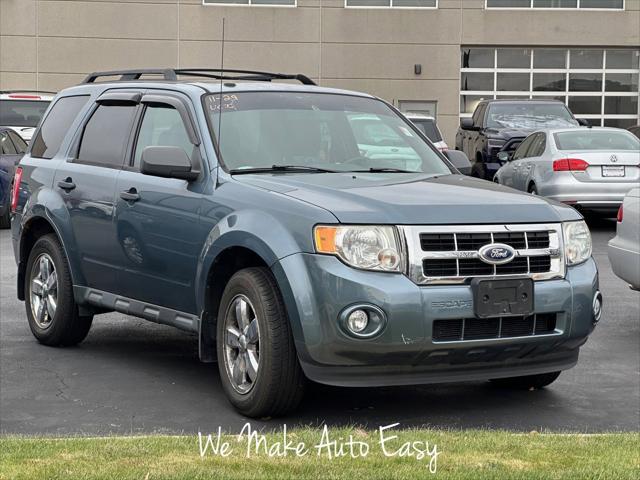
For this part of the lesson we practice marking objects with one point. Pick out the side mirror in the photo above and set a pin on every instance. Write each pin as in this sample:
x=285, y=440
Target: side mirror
x=459, y=160
x=467, y=124
x=504, y=156
x=583, y=123
x=168, y=162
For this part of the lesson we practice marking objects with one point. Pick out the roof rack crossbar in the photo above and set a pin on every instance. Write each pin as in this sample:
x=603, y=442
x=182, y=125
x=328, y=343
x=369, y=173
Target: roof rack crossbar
x=215, y=73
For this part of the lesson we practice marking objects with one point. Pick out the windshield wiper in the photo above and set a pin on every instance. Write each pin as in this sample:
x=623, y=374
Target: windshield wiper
x=281, y=168
x=384, y=169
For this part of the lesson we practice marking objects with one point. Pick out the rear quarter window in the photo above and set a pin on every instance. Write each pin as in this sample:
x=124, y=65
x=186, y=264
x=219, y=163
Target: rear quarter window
x=56, y=124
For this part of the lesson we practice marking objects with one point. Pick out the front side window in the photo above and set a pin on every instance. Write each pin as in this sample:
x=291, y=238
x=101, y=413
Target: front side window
x=6, y=145
x=332, y=132
x=162, y=126
x=52, y=132
x=106, y=134
x=22, y=113
x=521, y=151
x=529, y=115
x=596, y=140
x=18, y=142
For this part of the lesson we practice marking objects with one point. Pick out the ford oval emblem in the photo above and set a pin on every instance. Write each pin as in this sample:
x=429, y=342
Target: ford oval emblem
x=497, y=253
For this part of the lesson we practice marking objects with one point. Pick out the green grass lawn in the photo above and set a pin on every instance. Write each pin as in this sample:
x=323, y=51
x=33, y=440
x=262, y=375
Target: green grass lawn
x=461, y=454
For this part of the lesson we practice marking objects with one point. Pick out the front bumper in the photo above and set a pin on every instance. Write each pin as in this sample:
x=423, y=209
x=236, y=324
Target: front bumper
x=316, y=288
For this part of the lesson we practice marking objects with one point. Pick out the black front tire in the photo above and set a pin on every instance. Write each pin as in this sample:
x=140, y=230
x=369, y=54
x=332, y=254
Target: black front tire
x=279, y=384
x=66, y=327
x=527, y=382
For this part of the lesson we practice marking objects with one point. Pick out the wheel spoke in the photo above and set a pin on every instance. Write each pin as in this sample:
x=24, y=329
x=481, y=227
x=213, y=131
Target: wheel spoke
x=51, y=306
x=44, y=269
x=36, y=286
x=252, y=332
x=238, y=370
x=242, y=313
x=41, y=309
x=52, y=281
x=251, y=361
x=232, y=337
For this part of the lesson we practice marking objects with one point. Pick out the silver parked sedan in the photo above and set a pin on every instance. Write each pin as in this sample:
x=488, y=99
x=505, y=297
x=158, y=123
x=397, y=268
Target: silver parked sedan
x=590, y=168
x=624, y=248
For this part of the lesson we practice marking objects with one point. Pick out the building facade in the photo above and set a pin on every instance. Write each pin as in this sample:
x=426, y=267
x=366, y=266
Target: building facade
x=434, y=56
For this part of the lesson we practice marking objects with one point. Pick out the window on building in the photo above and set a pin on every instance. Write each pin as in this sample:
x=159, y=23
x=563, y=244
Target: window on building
x=264, y=3
x=598, y=85
x=605, y=4
x=391, y=3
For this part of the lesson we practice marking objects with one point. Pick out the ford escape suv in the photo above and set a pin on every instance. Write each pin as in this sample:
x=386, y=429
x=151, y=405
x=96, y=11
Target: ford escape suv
x=243, y=209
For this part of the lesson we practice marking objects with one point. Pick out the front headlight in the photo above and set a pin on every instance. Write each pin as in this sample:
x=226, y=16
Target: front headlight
x=577, y=242
x=370, y=247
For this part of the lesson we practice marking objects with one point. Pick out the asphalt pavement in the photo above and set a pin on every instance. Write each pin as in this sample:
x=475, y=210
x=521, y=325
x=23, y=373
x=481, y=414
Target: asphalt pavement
x=133, y=377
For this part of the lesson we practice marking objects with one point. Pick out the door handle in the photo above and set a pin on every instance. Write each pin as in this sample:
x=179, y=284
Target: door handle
x=67, y=184
x=130, y=195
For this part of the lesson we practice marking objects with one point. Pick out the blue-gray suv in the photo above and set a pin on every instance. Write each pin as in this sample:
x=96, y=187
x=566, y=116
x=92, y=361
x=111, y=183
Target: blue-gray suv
x=302, y=232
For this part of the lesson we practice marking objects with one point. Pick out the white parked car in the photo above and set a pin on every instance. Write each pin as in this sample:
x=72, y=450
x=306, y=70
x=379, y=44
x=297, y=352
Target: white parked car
x=22, y=110
x=429, y=127
x=589, y=168
x=624, y=248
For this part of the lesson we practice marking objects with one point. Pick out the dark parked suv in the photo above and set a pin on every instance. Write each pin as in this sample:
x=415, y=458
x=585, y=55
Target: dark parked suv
x=246, y=211
x=498, y=125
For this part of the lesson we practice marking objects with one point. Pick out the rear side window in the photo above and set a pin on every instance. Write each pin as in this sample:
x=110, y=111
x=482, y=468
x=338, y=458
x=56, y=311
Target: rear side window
x=106, y=134
x=55, y=126
x=429, y=128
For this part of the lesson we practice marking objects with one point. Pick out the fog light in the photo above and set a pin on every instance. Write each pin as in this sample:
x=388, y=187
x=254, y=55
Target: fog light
x=357, y=321
x=597, y=307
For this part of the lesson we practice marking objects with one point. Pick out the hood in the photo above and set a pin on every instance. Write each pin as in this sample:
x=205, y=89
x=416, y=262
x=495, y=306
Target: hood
x=509, y=133
x=411, y=199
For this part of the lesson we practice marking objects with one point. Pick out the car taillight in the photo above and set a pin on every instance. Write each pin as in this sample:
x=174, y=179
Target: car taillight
x=15, y=192
x=620, y=214
x=570, y=165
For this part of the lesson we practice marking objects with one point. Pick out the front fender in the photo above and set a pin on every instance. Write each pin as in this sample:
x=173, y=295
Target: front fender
x=255, y=230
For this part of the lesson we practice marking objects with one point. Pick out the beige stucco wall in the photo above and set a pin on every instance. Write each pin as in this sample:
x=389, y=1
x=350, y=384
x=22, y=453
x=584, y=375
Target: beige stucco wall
x=51, y=44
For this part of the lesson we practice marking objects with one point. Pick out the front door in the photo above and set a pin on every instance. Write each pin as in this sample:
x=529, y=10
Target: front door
x=157, y=219
x=87, y=183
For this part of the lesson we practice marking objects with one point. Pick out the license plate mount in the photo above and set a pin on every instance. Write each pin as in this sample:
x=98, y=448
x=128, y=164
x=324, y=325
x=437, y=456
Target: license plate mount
x=613, y=171
x=503, y=297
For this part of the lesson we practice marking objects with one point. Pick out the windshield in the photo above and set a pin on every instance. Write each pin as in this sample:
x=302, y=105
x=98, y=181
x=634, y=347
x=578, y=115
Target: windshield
x=326, y=131
x=428, y=127
x=529, y=115
x=596, y=140
x=22, y=113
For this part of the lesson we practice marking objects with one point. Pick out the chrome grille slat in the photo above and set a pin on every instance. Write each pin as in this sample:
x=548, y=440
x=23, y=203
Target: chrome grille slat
x=541, y=241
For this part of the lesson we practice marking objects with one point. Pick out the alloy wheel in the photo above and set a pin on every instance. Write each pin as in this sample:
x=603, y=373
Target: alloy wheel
x=43, y=291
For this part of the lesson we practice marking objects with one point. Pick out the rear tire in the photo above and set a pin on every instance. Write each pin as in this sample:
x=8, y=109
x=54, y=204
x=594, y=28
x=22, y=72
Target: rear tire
x=257, y=359
x=533, y=190
x=5, y=220
x=527, y=382
x=51, y=308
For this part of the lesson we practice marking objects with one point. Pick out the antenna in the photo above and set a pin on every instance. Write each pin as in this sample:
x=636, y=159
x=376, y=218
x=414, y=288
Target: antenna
x=220, y=95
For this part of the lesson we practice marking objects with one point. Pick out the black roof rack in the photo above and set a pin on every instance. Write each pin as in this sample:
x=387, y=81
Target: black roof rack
x=172, y=74
x=5, y=92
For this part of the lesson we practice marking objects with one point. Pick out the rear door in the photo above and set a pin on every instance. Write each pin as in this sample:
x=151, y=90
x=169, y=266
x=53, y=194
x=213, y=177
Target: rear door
x=532, y=157
x=87, y=183
x=157, y=219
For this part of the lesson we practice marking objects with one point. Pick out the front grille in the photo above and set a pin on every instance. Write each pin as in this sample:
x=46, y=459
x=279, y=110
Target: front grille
x=450, y=254
x=464, y=329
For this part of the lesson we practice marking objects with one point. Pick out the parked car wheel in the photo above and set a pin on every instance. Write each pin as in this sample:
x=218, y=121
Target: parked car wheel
x=51, y=309
x=527, y=382
x=533, y=190
x=257, y=359
x=5, y=220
